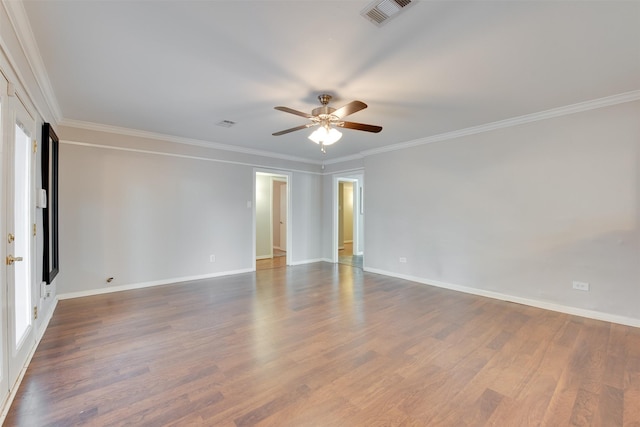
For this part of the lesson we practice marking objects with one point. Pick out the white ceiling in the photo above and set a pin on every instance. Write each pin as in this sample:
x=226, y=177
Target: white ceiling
x=179, y=67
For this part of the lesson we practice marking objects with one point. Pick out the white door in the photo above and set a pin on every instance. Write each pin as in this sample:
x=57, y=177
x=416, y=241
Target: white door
x=283, y=216
x=4, y=358
x=19, y=239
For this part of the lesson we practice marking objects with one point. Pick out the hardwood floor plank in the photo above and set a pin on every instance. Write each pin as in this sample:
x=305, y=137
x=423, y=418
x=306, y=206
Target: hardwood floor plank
x=561, y=403
x=583, y=408
x=610, y=407
x=324, y=344
x=482, y=410
x=631, y=411
x=258, y=414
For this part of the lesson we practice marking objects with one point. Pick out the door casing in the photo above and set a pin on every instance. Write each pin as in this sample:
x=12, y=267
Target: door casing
x=287, y=177
x=357, y=178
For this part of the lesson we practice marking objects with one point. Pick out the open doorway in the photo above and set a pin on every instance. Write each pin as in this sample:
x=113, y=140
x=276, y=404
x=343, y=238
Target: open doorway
x=348, y=221
x=272, y=229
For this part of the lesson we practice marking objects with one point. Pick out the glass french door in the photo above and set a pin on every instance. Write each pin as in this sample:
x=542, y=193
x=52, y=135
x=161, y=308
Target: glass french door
x=18, y=134
x=4, y=367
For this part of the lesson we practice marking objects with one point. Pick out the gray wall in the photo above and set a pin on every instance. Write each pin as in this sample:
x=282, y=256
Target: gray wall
x=522, y=211
x=264, y=246
x=145, y=216
x=306, y=217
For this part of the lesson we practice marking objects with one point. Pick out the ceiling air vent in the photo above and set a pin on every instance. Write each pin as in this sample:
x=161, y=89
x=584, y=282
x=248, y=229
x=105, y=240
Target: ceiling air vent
x=379, y=12
x=226, y=123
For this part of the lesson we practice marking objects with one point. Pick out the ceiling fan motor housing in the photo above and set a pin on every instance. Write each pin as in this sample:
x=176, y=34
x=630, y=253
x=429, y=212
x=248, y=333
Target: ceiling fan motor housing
x=326, y=110
x=322, y=110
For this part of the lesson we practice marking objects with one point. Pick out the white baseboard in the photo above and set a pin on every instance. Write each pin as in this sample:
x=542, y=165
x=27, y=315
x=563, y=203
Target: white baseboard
x=591, y=314
x=39, y=334
x=131, y=286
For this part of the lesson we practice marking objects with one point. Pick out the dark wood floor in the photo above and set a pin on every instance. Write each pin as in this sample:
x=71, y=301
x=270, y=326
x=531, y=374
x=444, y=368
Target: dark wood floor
x=275, y=262
x=325, y=345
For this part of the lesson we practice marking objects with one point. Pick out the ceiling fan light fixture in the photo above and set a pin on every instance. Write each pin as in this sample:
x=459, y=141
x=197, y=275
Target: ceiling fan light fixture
x=325, y=136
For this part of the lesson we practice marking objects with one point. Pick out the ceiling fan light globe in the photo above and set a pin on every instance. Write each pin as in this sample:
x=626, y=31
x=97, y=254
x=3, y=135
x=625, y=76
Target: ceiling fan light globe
x=325, y=136
x=318, y=135
x=332, y=137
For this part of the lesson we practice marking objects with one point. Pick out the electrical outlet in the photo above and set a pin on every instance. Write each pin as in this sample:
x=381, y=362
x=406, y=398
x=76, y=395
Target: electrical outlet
x=581, y=286
x=212, y=258
x=403, y=260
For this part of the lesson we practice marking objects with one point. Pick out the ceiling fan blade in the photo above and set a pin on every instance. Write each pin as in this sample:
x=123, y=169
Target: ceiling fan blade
x=360, y=126
x=350, y=108
x=282, y=132
x=292, y=111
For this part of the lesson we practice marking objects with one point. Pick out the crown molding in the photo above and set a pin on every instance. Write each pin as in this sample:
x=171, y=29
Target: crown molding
x=501, y=124
x=514, y=121
x=180, y=140
x=22, y=28
x=266, y=168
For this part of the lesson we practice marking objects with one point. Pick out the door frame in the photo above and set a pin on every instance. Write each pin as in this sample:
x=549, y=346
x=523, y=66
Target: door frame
x=288, y=179
x=357, y=178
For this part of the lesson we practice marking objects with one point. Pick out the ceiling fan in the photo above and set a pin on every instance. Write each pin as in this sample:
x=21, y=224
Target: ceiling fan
x=328, y=118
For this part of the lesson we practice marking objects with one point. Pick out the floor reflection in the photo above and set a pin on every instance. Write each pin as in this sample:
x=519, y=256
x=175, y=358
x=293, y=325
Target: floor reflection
x=346, y=256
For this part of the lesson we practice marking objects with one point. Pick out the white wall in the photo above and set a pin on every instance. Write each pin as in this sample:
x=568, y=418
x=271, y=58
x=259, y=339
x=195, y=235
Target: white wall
x=521, y=211
x=147, y=216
